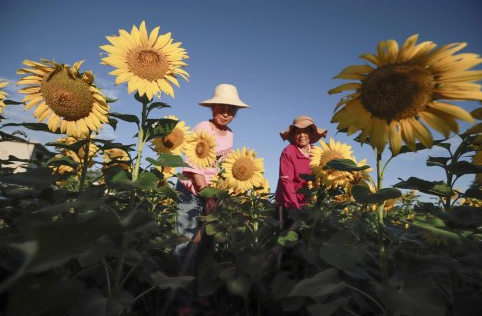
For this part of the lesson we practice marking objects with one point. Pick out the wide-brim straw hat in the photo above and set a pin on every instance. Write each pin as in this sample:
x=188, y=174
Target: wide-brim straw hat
x=225, y=94
x=304, y=121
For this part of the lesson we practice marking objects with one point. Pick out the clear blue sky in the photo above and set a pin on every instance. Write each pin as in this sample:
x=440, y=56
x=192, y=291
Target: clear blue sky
x=282, y=56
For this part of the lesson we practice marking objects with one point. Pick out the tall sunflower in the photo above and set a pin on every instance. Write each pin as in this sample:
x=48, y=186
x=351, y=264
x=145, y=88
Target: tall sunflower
x=243, y=171
x=321, y=156
x=149, y=63
x=173, y=142
x=401, y=92
x=3, y=94
x=199, y=149
x=63, y=95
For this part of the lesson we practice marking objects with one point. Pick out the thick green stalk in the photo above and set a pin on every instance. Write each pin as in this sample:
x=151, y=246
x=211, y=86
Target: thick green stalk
x=141, y=140
x=381, y=222
x=85, y=164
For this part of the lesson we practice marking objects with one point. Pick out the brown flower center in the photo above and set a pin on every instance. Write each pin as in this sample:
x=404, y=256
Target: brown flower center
x=69, y=98
x=174, y=139
x=397, y=91
x=243, y=169
x=202, y=149
x=147, y=63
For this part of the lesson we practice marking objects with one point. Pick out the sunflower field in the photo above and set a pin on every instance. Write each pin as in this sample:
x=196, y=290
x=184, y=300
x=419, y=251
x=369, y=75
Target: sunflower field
x=90, y=229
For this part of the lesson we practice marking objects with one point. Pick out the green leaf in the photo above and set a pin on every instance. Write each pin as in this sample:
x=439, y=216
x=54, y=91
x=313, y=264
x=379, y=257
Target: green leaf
x=126, y=117
x=209, y=192
x=434, y=228
x=239, y=286
x=341, y=251
x=168, y=160
x=163, y=281
x=113, y=123
x=143, y=99
x=282, y=285
x=323, y=283
x=52, y=294
x=146, y=181
x=345, y=165
x=157, y=105
x=464, y=167
x=437, y=161
x=38, y=178
x=11, y=102
x=63, y=161
x=42, y=127
x=327, y=309
x=417, y=297
x=110, y=100
x=473, y=193
x=52, y=244
x=363, y=195
x=438, y=188
x=169, y=192
x=160, y=127
x=75, y=147
x=288, y=239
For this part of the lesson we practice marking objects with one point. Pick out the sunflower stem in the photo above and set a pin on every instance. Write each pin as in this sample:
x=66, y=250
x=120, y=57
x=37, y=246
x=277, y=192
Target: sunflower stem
x=381, y=222
x=140, y=142
x=85, y=164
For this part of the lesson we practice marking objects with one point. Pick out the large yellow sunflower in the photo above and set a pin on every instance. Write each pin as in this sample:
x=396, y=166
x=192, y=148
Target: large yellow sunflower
x=3, y=94
x=199, y=149
x=243, y=171
x=173, y=142
x=321, y=156
x=402, y=91
x=148, y=63
x=63, y=95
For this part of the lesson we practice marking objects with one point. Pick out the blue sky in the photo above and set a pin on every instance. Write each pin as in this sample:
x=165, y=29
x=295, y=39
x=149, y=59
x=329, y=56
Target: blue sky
x=282, y=56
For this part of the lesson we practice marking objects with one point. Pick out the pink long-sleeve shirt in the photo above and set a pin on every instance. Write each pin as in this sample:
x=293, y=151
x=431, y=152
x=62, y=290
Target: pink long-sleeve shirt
x=224, y=145
x=292, y=163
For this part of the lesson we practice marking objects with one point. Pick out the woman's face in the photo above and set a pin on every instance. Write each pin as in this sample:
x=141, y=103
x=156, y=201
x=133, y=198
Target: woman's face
x=223, y=114
x=301, y=136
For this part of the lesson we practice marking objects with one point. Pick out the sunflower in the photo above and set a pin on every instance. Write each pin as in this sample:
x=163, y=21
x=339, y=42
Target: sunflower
x=243, y=171
x=63, y=95
x=172, y=143
x=199, y=149
x=321, y=156
x=3, y=94
x=148, y=63
x=116, y=157
x=395, y=98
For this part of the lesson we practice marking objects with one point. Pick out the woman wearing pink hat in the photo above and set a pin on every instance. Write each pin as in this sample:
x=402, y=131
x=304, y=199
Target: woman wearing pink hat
x=295, y=161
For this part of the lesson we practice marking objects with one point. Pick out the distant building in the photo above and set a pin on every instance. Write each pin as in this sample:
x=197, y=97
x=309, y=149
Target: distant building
x=28, y=153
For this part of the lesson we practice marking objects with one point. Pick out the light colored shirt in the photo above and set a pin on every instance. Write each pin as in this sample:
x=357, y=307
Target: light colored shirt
x=224, y=145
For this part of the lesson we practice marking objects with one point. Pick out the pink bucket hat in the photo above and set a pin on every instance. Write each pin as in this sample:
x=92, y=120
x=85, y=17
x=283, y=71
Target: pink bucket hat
x=304, y=121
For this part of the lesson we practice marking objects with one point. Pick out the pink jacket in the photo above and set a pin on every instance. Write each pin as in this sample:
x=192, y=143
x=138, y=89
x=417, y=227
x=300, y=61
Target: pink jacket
x=292, y=164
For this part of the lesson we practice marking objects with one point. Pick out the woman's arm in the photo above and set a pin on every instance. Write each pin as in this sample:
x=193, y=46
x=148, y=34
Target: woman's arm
x=286, y=175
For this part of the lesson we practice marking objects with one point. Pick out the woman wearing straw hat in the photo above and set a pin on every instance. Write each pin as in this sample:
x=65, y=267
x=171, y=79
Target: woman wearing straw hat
x=295, y=161
x=224, y=106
